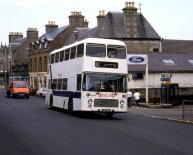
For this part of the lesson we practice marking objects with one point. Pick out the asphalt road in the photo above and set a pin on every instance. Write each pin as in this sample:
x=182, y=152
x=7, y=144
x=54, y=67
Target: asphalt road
x=29, y=127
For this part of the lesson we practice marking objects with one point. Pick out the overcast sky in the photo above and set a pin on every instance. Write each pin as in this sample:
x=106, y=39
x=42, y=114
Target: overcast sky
x=172, y=19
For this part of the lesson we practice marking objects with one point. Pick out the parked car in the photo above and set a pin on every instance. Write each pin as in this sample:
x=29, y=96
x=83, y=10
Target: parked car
x=44, y=93
x=32, y=91
x=41, y=92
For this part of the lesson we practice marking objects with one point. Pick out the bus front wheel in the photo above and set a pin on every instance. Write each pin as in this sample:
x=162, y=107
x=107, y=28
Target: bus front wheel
x=70, y=105
x=109, y=114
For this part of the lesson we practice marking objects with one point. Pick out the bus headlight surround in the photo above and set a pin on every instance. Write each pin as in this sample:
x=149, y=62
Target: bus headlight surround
x=122, y=102
x=90, y=101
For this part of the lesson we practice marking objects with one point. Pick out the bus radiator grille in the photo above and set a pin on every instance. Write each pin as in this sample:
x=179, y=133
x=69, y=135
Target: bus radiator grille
x=105, y=103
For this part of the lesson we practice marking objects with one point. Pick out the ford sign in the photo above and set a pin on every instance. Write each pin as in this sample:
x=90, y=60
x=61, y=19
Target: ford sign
x=136, y=59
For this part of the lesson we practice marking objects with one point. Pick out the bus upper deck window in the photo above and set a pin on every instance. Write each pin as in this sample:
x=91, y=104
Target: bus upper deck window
x=67, y=54
x=56, y=57
x=61, y=56
x=116, y=51
x=95, y=50
x=73, y=52
x=80, y=50
x=52, y=58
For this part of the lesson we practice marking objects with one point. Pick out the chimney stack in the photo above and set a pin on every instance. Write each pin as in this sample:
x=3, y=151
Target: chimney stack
x=14, y=35
x=76, y=19
x=51, y=26
x=32, y=34
x=101, y=18
x=130, y=20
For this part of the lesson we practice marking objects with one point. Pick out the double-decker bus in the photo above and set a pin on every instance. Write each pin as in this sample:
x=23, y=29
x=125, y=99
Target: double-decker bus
x=89, y=75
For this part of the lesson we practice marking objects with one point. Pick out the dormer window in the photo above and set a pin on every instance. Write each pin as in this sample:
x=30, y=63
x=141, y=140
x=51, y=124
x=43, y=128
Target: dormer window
x=191, y=61
x=169, y=62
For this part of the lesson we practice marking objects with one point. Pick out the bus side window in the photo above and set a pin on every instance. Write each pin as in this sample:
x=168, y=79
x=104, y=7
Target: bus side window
x=52, y=58
x=54, y=84
x=73, y=52
x=64, y=83
x=56, y=57
x=78, y=84
x=67, y=54
x=59, y=84
x=80, y=50
x=61, y=55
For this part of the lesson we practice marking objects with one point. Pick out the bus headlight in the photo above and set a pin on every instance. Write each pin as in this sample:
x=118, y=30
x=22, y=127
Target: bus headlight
x=90, y=101
x=122, y=102
x=121, y=106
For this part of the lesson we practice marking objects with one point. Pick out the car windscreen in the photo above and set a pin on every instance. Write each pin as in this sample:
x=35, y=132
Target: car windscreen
x=20, y=85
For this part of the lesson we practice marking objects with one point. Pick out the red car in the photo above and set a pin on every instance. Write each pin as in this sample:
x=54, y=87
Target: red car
x=32, y=91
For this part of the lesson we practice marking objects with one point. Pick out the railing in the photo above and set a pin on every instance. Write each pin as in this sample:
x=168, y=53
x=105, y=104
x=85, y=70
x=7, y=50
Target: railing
x=187, y=109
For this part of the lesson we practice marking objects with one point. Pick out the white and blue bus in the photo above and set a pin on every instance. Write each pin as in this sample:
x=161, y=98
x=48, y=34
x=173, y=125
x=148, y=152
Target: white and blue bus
x=89, y=75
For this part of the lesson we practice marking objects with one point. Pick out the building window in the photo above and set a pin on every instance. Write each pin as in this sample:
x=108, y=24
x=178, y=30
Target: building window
x=45, y=63
x=137, y=76
x=40, y=64
x=155, y=50
x=169, y=62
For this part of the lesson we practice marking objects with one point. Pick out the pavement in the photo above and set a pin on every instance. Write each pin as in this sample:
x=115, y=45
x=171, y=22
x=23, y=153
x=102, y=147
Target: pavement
x=164, y=111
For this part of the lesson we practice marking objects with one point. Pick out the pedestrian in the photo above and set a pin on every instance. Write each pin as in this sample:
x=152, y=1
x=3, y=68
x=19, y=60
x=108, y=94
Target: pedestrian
x=129, y=95
x=137, y=97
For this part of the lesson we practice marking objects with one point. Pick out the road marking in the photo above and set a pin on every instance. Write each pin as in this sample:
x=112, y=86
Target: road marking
x=168, y=118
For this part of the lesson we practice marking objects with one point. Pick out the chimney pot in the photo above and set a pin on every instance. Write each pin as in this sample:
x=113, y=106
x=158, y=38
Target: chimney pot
x=129, y=4
x=133, y=4
x=126, y=4
x=103, y=12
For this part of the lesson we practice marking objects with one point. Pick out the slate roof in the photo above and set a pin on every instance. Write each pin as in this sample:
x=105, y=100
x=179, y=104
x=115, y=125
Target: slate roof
x=52, y=34
x=169, y=45
x=113, y=27
x=156, y=64
x=17, y=42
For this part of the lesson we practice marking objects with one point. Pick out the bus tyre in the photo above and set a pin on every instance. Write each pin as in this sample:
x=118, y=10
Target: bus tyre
x=109, y=114
x=70, y=106
x=51, y=102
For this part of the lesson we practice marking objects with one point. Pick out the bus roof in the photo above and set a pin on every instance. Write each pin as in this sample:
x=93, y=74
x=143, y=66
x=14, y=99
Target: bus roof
x=92, y=40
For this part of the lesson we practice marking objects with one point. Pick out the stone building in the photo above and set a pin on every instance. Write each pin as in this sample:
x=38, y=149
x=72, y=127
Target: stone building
x=127, y=25
x=54, y=38
x=5, y=64
x=19, y=47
